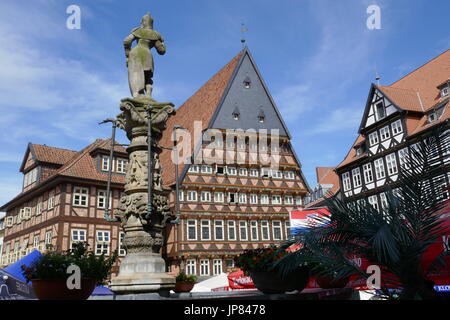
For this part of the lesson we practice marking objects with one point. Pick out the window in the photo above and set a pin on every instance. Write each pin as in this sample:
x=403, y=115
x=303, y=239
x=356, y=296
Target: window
x=287, y=225
x=218, y=230
x=232, y=197
x=396, y=127
x=373, y=138
x=403, y=158
x=432, y=117
x=102, y=243
x=243, y=172
x=219, y=197
x=276, y=227
x=191, y=195
x=36, y=241
x=78, y=236
x=105, y=163
x=380, y=110
x=206, y=196
x=264, y=199
x=265, y=230
x=254, y=230
x=121, y=165
x=373, y=200
x=265, y=172
x=204, y=267
x=231, y=171
x=243, y=230
x=9, y=221
x=50, y=202
x=384, y=133
x=289, y=200
x=276, y=199
x=190, y=267
x=298, y=201
x=247, y=83
x=101, y=199
x=48, y=238
x=231, y=230
x=356, y=177
x=277, y=174
x=229, y=263
x=122, y=251
x=253, y=199
x=194, y=168
x=38, y=208
x=242, y=198
x=391, y=163
x=217, y=266
x=346, y=181
x=207, y=169
x=379, y=169
x=445, y=92
x=80, y=196
x=180, y=195
x=30, y=177
x=253, y=172
x=289, y=175
x=368, y=176
x=220, y=170
x=383, y=200
x=205, y=230
x=192, y=230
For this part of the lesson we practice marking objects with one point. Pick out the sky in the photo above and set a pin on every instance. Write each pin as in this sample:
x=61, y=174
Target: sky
x=318, y=58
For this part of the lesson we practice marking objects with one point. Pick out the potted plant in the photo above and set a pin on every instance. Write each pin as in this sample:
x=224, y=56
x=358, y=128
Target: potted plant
x=49, y=273
x=259, y=264
x=184, y=282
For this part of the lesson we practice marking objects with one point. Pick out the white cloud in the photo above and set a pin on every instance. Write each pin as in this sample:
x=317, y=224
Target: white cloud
x=338, y=120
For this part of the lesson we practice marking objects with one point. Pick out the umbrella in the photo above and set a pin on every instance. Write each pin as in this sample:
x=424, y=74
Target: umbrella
x=220, y=280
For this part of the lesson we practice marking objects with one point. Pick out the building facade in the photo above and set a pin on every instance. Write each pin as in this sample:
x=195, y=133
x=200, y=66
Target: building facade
x=397, y=118
x=239, y=178
x=231, y=199
x=63, y=201
x=327, y=186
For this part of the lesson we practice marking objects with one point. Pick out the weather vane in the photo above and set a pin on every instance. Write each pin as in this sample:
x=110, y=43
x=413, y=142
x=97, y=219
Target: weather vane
x=243, y=30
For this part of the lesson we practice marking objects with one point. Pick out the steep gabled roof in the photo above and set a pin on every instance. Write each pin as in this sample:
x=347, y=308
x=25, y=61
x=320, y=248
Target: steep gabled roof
x=199, y=107
x=46, y=154
x=416, y=93
x=326, y=175
x=79, y=165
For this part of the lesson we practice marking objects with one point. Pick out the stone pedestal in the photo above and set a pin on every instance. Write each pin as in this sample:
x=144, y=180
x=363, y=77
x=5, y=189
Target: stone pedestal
x=143, y=271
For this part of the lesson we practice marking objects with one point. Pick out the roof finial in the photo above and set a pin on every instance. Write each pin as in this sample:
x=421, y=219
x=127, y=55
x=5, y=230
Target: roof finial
x=243, y=30
x=377, y=76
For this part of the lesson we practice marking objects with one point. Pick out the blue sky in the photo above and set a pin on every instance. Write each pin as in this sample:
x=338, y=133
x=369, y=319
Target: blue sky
x=317, y=57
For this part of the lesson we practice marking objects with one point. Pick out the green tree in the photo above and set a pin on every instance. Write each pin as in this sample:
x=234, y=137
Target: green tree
x=395, y=237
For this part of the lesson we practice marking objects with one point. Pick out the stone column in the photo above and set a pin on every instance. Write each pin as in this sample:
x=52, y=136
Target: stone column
x=143, y=270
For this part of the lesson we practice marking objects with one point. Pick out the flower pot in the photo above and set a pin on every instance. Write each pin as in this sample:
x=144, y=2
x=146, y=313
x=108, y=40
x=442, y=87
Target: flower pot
x=297, y=280
x=329, y=282
x=56, y=289
x=183, y=286
x=268, y=282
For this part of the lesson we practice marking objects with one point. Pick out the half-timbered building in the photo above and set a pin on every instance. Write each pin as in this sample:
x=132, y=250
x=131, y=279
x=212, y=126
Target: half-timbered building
x=396, y=119
x=230, y=199
x=63, y=201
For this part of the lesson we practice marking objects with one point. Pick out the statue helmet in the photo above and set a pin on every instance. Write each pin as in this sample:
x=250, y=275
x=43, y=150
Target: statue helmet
x=147, y=21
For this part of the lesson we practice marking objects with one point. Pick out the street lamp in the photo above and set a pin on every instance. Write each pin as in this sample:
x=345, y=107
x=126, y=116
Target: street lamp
x=111, y=155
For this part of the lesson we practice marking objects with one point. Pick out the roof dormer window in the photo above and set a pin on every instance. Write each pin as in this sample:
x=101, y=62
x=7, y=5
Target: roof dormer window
x=380, y=110
x=247, y=83
x=445, y=92
x=236, y=113
x=432, y=117
x=261, y=116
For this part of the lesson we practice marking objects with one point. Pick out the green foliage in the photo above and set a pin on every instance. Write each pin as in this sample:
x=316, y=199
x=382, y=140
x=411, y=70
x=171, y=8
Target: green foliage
x=183, y=277
x=394, y=238
x=261, y=259
x=53, y=265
